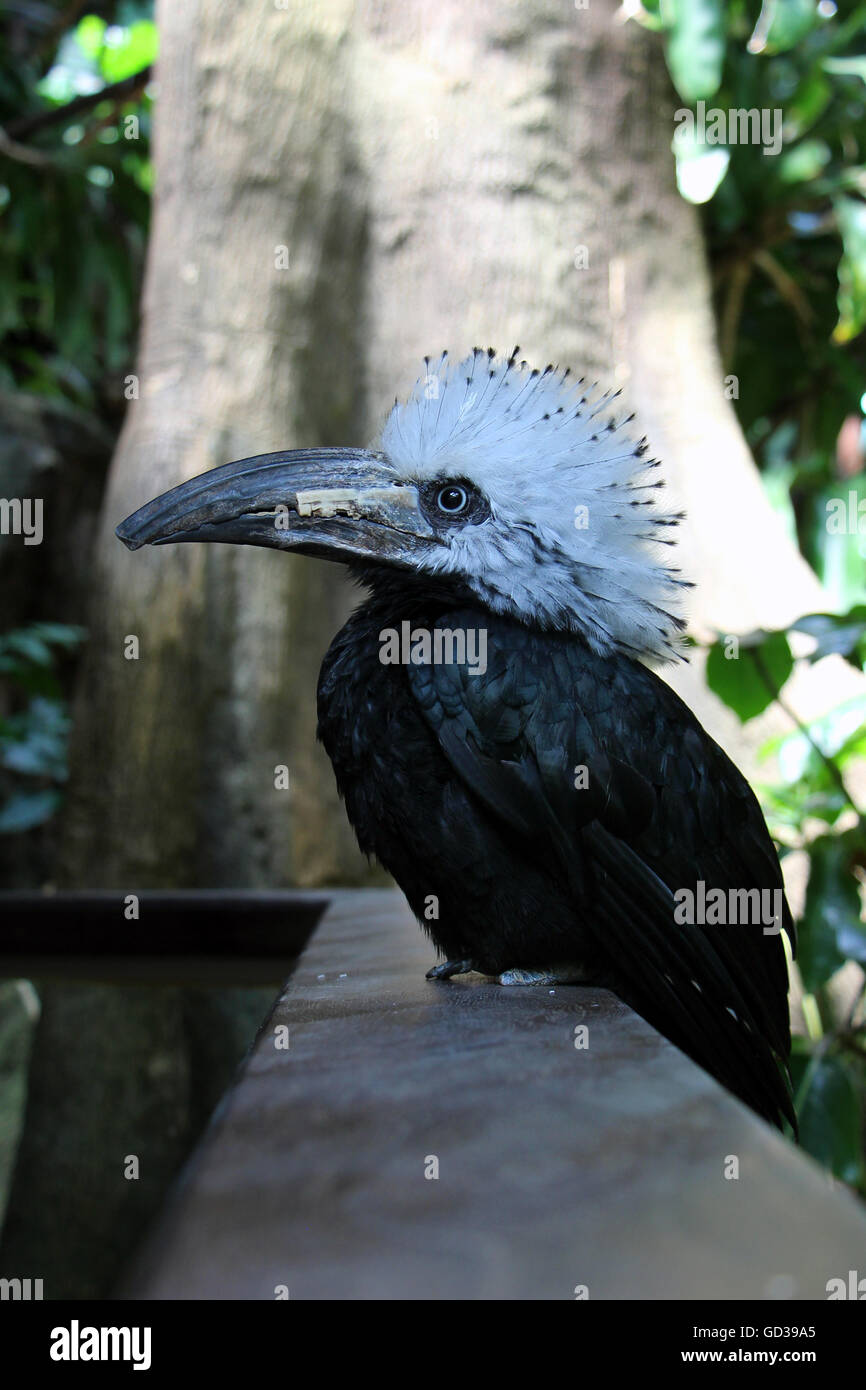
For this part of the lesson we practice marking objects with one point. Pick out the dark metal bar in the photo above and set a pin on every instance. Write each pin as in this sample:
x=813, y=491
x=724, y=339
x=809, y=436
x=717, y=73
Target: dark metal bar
x=192, y=923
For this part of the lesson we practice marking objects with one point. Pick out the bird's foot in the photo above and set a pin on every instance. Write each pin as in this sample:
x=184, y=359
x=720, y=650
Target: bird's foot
x=447, y=968
x=556, y=975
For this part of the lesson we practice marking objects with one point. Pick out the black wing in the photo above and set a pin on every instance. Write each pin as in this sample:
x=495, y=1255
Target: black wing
x=662, y=808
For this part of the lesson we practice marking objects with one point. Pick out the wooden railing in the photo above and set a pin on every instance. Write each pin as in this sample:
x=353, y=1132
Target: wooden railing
x=394, y=1138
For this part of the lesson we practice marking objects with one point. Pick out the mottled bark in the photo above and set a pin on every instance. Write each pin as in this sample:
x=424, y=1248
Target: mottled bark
x=173, y=771
x=527, y=194
x=432, y=173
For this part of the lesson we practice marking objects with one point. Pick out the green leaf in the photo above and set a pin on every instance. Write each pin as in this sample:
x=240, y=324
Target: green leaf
x=782, y=24
x=846, y=67
x=811, y=100
x=835, y=733
x=851, y=220
x=25, y=810
x=790, y=807
x=749, y=681
x=804, y=161
x=648, y=15
x=853, y=747
x=700, y=167
x=830, y=931
x=136, y=49
x=836, y=634
x=29, y=645
x=695, y=49
x=34, y=742
x=829, y=1112
x=90, y=34
x=60, y=634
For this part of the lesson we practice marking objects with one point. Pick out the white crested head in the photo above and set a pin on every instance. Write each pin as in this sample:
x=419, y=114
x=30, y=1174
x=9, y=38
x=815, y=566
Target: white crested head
x=573, y=537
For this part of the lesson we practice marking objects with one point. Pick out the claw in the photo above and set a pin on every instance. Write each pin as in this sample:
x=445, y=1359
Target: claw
x=447, y=968
x=556, y=975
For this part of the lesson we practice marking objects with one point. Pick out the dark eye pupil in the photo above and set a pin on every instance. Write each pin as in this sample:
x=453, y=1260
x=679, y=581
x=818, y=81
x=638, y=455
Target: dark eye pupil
x=452, y=499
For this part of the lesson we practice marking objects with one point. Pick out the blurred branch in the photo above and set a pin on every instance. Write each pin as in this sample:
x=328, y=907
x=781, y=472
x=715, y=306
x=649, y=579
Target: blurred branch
x=121, y=91
x=738, y=279
x=788, y=288
x=851, y=1025
x=829, y=763
x=22, y=153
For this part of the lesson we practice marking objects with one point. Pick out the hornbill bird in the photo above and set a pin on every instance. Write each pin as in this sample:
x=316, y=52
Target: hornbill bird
x=543, y=799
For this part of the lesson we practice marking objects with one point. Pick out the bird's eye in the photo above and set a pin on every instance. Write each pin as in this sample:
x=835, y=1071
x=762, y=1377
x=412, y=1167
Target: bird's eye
x=452, y=499
x=450, y=504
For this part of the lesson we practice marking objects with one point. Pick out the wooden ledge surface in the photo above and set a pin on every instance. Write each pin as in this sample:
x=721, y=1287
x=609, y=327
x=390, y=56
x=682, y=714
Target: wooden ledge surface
x=559, y=1167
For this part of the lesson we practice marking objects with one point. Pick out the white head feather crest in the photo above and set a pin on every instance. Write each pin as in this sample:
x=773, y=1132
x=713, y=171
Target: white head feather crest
x=571, y=540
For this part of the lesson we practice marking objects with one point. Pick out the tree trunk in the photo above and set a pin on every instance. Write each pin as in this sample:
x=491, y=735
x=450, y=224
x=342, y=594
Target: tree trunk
x=174, y=757
x=432, y=175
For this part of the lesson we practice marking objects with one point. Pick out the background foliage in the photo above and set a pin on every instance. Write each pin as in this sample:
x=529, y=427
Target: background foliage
x=786, y=238
x=75, y=179
x=75, y=200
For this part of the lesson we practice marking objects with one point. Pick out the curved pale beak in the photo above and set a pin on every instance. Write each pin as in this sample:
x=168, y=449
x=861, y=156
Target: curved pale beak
x=338, y=504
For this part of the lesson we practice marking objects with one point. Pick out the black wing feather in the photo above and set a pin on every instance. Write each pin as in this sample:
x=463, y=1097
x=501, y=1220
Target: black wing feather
x=664, y=807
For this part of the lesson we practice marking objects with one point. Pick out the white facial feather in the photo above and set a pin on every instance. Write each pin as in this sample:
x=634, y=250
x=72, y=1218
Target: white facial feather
x=574, y=538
